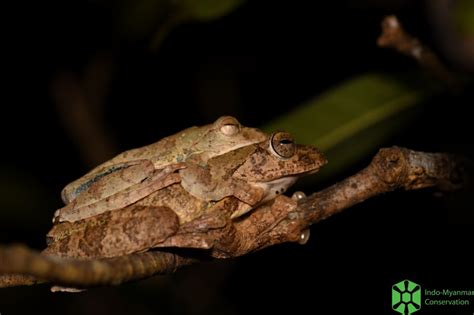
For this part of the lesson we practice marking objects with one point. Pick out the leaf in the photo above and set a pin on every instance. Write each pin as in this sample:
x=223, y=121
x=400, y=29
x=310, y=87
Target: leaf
x=464, y=16
x=185, y=11
x=205, y=10
x=157, y=18
x=353, y=119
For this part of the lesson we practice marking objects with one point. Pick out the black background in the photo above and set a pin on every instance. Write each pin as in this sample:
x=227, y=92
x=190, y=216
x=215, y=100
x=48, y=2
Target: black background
x=275, y=55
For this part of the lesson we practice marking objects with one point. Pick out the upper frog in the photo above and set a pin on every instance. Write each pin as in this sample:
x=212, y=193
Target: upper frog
x=199, y=143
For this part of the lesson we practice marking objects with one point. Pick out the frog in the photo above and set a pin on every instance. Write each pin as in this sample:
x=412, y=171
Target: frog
x=255, y=173
x=175, y=217
x=136, y=173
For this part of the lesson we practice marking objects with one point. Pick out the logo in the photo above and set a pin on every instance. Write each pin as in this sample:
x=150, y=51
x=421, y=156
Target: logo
x=406, y=297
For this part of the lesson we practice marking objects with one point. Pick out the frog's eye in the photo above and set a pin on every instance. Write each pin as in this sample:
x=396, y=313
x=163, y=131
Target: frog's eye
x=282, y=145
x=228, y=125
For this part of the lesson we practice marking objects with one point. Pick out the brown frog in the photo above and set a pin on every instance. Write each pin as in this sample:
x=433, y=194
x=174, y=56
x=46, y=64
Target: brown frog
x=180, y=214
x=254, y=173
x=134, y=174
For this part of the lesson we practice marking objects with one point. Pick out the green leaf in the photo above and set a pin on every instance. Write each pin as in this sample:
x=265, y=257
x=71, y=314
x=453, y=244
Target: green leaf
x=138, y=19
x=205, y=10
x=353, y=119
x=464, y=16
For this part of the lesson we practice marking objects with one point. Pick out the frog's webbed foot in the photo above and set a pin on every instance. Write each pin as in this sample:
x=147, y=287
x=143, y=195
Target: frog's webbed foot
x=249, y=194
x=242, y=209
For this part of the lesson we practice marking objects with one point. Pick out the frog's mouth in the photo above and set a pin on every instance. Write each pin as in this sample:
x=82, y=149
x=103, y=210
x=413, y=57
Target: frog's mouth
x=276, y=187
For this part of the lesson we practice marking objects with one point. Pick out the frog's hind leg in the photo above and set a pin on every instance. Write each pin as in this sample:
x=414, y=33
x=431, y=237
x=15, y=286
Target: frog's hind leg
x=127, y=171
x=140, y=186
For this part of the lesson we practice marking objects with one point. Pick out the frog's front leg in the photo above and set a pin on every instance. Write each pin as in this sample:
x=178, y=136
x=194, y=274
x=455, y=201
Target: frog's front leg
x=201, y=183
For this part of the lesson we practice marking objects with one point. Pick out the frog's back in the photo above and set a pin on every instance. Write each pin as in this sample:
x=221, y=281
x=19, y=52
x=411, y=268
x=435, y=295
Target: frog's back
x=162, y=153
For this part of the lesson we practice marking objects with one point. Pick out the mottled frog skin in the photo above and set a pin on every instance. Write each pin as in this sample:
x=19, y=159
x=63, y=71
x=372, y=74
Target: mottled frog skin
x=254, y=173
x=134, y=174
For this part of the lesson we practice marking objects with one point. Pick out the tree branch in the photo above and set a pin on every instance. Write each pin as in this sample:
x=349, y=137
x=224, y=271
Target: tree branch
x=394, y=36
x=282, y=220
x=18, y=259
x=286, y=220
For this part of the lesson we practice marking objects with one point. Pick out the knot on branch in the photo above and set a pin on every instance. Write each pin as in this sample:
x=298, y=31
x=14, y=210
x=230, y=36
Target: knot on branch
x=403, y=168
x=391, y=166
x=446, y=172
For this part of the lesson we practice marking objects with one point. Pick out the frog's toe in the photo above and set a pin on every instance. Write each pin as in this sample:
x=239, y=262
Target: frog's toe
x=304, y=237
x=298, y=195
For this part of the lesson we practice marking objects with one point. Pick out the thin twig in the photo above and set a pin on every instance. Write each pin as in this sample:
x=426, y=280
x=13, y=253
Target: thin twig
x=283, y=220
x=394, y=36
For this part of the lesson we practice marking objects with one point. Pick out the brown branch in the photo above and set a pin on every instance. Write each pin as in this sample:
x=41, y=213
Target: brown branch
x=283, y=220
x=286, y=220
x=394, y=36
x=17, y=259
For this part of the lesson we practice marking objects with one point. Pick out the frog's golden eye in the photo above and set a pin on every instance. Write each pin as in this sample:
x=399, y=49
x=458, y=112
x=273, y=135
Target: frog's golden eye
x=282, y=145
x=228, y=125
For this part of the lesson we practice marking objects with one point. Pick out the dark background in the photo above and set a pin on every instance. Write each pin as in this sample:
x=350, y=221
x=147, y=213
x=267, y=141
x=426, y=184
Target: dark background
x=256, y=64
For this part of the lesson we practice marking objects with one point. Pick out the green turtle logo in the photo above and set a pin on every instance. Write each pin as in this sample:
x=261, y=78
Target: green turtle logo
x=406, y=297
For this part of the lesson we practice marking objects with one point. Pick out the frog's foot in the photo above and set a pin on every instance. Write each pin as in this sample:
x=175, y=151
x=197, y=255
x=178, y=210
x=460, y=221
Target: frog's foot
x=304, y=237
x=248, y=193
x=242, y=209
x=298, y=195
x=58, y=288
